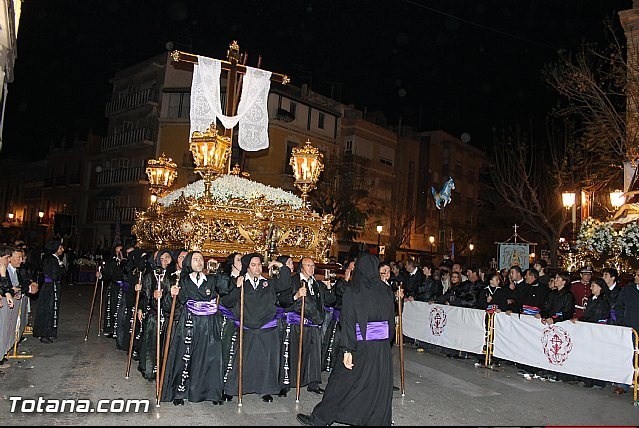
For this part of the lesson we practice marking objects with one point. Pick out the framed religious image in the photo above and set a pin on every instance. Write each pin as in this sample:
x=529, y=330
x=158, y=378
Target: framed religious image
x=514, y=254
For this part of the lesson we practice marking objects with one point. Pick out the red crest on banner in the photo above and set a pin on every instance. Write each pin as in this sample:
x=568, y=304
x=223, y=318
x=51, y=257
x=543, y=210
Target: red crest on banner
x=437, y=321
x=557, y=344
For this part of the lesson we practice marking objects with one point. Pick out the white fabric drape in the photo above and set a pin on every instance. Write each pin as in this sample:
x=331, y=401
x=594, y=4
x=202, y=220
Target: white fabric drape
x=252, y=111
x=449, y=326
x=584, y=349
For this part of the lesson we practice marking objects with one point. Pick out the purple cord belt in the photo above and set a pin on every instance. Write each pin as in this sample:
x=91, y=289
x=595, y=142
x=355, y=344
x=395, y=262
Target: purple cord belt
x=375, y=330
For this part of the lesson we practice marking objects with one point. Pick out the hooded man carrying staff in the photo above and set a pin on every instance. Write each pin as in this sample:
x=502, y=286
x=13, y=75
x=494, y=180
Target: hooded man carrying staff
x=45, y=325
x=261, y=347
x=194, y=361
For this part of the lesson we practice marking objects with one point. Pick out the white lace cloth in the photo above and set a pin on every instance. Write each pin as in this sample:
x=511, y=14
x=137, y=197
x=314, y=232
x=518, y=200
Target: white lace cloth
x=252, y=112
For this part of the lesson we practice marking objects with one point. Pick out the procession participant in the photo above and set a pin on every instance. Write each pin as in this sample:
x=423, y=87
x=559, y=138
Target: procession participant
x=148, y=310
x=360, y=390
x=232, y=268
x=194, y=362
x=318, y=295
x=45, y=325
x=126, y=297
x=330, y=342
x=261, y=338
x=112, y=274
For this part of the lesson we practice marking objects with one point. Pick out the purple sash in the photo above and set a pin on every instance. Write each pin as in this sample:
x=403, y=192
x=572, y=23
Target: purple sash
x=201, y=307
x=48, y=279
x=226, y=312
x=294, y=318
x=375, y=330
x=124, y=285
x=272, y=323
x=279, y=313
x=336, y=313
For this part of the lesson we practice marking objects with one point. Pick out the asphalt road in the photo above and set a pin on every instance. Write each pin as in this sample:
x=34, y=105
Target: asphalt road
x=439, y=390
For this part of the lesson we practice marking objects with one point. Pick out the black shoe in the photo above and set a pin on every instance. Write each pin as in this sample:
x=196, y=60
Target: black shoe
x=305, y=419
x=45, y=340
x=178, y=402
x=588, y=384
x=268, y=398
x=218, y=403
x=317, y=390
x=282, y=392
x=395, y=388
x=227, y=397
x=51, y=338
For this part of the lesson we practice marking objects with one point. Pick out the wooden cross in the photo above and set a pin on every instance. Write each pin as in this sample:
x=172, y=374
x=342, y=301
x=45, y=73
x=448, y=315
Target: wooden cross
x=235, y=67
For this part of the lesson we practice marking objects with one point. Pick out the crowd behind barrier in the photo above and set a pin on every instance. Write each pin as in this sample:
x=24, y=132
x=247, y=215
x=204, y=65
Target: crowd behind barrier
x=9, y=321
x=596, y=351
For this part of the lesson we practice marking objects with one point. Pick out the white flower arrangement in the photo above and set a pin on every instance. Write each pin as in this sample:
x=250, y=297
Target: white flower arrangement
x=629, y=239
x=596, y=236
x=228, y=187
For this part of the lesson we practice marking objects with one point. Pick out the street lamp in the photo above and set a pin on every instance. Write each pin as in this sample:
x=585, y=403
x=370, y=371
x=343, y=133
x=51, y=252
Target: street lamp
x=568, y=199
x=471, y=247
x=379, y=237
x=617, y=199
x=41, y=215
x=431, y=239
x=11, y=216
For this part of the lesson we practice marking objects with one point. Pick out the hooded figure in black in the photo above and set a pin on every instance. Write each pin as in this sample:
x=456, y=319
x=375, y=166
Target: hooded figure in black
x=194, y=363
x=261, y=347
x=113, y=276
x=162, y=267
x=360, y=388
x=318, y=296
x=45, y=325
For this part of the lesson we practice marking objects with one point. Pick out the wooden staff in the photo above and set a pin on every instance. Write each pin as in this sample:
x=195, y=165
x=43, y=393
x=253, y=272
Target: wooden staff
x=157, y=340
x=299, y=352
x=241, y=340
x=95, y=291
x=167, y=342
x=401, y=339
x=135, y=317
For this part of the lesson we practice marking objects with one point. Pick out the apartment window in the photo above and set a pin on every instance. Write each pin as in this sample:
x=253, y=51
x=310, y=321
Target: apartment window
x=293, y=108
x=179, y=105
x=386, y=161
x=320, y=121
x=348, y=149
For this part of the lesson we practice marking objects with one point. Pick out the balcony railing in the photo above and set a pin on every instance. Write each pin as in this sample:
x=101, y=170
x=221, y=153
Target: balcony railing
x=121, y=176
x=133, y=100
x=111, y=215
x=128, y=138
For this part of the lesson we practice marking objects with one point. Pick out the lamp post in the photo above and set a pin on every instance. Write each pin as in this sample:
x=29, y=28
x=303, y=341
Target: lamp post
x=161, y=173
x=431, y=239
x=307, y=165
x=617, y=199
x=379, y=238
x=471, y=247
x=568, y=199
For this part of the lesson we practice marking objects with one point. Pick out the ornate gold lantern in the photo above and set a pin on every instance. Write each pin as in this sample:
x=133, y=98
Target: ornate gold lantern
x=161, y=173
x=210, y=154
x=307, y=165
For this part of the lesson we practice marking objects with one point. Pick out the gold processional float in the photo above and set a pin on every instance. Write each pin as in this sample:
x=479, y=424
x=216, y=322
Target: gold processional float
x=226, y=213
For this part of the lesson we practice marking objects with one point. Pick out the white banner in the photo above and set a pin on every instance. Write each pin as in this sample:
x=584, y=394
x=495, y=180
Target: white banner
x=590, y=350
x=443, y=325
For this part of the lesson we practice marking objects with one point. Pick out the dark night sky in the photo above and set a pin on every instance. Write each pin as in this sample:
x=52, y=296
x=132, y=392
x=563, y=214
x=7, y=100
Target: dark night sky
x=464, y=66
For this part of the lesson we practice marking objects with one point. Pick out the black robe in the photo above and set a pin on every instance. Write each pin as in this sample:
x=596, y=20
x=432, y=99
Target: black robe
x=47, y=313
x=312, y=340
x=363, y=395
x=111, y=274
x=330, y=341
x=194, y=363
x=261, y=348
